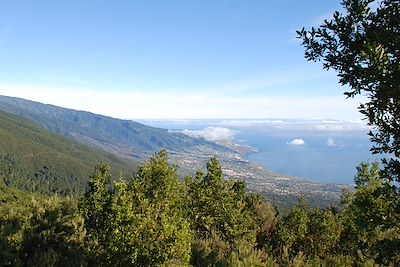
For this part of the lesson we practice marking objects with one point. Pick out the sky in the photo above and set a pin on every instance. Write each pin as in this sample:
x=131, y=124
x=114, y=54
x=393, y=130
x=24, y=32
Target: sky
x=169, y=59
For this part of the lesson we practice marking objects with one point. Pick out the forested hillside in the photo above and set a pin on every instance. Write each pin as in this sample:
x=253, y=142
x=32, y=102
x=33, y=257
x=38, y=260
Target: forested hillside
x=154, y=219
x=151, y=217
x=32, y=158
x=122, y=137
x=136, y=142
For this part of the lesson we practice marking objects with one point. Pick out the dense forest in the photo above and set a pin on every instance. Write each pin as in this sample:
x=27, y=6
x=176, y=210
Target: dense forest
x=152, y=218
x=34, y=159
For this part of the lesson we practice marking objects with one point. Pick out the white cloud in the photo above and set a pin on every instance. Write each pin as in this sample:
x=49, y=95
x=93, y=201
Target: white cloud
x=290, y=125
x=212, y=133
x=332, y=143
x=296, y=142
x=341, y=127
x=142, y=104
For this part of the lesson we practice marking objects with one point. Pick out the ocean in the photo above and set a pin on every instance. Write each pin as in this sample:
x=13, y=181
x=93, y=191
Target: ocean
x=319, y=150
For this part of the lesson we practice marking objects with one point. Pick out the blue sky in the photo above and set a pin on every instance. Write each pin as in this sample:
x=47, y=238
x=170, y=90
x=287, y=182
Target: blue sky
x=169, y=59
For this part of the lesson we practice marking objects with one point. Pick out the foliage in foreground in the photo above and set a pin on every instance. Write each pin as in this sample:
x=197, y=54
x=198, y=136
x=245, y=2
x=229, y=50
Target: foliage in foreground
x=362, y=45
x=138, y=223
x=39, y=231
x=156, y=220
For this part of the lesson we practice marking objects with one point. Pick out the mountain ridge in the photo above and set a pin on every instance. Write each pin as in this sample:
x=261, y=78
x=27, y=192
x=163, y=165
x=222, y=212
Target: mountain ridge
x=187, y=154
x=33, y=158
x=126, y=138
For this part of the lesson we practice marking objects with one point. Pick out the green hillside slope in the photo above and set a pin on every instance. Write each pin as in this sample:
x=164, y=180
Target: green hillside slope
x=121, y=137
x=33, y=158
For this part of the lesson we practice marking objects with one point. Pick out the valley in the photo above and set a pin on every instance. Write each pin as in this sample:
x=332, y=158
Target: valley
x=136, y=142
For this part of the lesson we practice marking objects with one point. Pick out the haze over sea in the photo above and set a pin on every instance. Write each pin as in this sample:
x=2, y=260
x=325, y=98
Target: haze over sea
x=326, y=151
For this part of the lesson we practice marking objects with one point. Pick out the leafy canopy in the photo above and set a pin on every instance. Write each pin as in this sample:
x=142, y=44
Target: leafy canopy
x=363, y=46
x=140, y=222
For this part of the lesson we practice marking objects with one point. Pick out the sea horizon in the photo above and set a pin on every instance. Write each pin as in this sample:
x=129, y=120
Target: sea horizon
x=320, y=150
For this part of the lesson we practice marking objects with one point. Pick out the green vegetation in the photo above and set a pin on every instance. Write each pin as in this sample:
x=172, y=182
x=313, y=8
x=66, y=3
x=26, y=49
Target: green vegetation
x=153, y=219
x=137, y=223
x=136, y=142
x=39, y=231
x=362, y=46
x=121, y=137
x=34, y=159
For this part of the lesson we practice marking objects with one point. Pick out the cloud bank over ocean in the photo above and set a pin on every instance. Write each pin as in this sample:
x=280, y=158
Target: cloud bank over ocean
x=212, y=134
x=321, y=150
x=296, y=142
